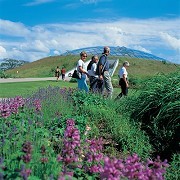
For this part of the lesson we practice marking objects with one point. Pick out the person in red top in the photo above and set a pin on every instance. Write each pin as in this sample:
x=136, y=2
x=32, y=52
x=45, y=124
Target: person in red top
x=63, y=72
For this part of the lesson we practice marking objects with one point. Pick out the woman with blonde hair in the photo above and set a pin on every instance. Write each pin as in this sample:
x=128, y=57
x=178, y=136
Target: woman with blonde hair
x=82, y=84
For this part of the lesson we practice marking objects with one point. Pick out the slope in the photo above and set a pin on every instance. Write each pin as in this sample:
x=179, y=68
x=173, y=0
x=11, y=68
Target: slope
x=139, y=68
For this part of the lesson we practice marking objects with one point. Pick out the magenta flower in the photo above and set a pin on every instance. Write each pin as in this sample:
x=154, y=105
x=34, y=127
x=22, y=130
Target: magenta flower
x=37, y=105
x=5, y=110
x=26, y=158
x=25, y=173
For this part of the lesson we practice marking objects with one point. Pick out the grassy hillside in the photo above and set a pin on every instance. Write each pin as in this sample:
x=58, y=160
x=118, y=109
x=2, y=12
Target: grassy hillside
x=44, y=67
x=139, y=68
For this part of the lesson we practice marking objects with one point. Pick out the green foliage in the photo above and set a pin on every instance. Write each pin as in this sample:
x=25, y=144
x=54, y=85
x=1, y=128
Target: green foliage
x=73, y=80
x=11, y=64
x=81, y=98
x=115, y=83
x=45, y=67
x=52, y=71
x=157, y=110
x=26, y=88
x=173, y=172
x=4, y=75
x=164, y=62
x=106, y=118
x=59, y=106
x=139, y=68
x=103, y=113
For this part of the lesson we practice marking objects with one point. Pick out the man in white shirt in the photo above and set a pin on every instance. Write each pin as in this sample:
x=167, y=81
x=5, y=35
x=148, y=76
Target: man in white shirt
x=123, y=81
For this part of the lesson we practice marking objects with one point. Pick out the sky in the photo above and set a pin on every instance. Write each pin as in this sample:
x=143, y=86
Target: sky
x=34, y=29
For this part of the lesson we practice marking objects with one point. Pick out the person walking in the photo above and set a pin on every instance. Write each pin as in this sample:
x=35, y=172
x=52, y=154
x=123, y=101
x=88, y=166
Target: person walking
x=82, y=84
x=93, y=78
x=57, y=73
x=63, y=72
x=123, y=80
x=103, y=71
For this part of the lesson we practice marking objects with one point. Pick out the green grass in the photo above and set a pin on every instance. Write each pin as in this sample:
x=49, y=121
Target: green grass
x=44, y=67
x=25, y=88
x=111, y=118
x=8, y=90
x=139, y=68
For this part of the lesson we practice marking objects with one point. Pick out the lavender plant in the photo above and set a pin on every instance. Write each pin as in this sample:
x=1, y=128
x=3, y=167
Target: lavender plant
x=60, y=147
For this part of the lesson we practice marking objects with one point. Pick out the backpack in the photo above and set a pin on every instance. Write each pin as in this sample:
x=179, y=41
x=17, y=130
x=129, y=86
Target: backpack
x=89, y=65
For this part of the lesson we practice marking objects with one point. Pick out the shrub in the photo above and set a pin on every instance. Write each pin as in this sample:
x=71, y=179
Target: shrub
x=102, y=112
x=173, y=172
x=46, y=137
x=157, y=110
x=4, y=75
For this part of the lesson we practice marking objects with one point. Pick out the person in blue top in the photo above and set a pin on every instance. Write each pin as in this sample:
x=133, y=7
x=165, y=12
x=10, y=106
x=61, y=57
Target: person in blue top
x=103, y=71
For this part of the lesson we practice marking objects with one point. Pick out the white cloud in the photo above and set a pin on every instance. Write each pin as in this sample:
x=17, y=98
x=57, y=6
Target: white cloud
x=38, y=41
x=56, y=52
x=171, y=41
x=14, y=29
x=140, y=48
x=38, y=2
x=36, y=46
x=3, y=52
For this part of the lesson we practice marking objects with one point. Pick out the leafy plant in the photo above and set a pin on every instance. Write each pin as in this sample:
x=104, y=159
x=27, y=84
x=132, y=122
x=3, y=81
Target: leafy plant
x=11, y=63
x=4, y=75
x=60, y=132
x=157, y=110
x=173, y=172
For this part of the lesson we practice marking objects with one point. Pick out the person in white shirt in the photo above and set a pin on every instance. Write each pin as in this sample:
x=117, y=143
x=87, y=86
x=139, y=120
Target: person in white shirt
x=123, y=80
x=82, y=84
x=93, y=78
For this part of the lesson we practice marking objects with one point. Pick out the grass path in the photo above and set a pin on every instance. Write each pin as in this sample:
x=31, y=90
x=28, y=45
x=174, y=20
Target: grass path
x=13, y=89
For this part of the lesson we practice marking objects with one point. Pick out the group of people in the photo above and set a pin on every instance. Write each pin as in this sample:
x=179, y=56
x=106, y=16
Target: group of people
x=98, y=73
x=58, y=72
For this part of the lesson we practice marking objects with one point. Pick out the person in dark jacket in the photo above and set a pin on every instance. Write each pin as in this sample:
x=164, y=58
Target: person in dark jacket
x=103, y=71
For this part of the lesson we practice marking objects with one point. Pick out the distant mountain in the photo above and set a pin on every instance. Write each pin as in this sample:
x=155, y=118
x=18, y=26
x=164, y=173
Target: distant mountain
x=116, y=51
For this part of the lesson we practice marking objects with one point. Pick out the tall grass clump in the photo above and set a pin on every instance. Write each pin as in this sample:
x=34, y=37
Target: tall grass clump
x=157, y=110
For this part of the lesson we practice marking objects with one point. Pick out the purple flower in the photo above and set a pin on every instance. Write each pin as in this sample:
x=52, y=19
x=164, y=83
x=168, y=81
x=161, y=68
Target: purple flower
x=25, y=172
x=5, y=110
x=37, y=105
x=26, y=158
x=27, y=147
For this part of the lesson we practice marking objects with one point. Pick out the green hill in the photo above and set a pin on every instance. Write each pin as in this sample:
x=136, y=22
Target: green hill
x=139, y=68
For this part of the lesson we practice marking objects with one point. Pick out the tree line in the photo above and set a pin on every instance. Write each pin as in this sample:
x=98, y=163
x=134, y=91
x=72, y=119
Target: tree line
x=7, y=64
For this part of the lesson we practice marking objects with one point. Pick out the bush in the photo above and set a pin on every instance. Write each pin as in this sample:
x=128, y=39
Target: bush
x=157, y=109
x=173, y=172
x=4, y=75
x=46, y=137
x=112, y=124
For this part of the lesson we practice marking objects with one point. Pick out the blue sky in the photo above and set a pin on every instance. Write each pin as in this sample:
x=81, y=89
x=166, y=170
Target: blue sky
x=33, y=29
